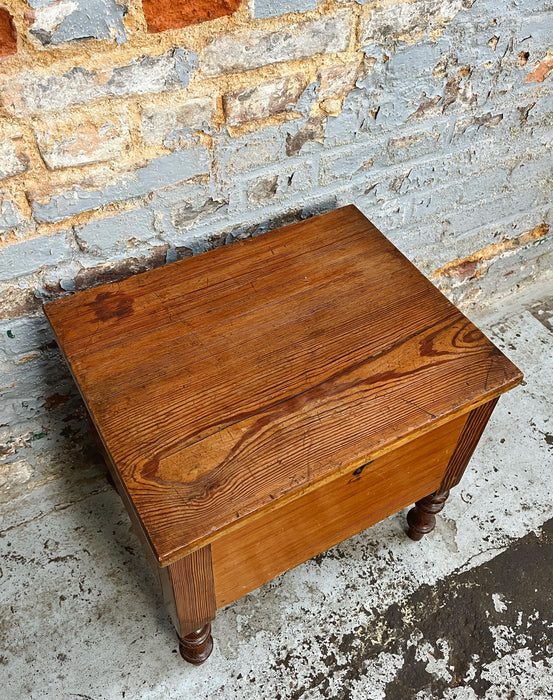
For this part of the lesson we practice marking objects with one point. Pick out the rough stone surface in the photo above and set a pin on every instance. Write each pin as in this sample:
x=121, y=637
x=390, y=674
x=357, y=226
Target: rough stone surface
x=8, y=34
x=273, y=8
x=263, y=100
x=84, y=143
x=13, y=157
x=465, y=614
x=160, y=123
x=246, y=50
x=30, y=92
x=27, y=256
x=69, y=20
x=158, y=173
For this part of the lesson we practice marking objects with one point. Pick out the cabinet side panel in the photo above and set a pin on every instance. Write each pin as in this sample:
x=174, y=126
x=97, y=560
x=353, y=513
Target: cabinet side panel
x=248, y=557
x=470, y=435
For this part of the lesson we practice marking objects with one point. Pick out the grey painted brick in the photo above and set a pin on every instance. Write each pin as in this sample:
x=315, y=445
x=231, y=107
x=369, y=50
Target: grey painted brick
x=30, y=255
x=273, y=8
x=117, y=234
x=9, y=215
x=241, y=51
x=160, y=123
x=59, y=22
x=13, y=158
x=181, y=207
x=402, y=21
x=30, y=92
x=160, y=172
x=248, y=152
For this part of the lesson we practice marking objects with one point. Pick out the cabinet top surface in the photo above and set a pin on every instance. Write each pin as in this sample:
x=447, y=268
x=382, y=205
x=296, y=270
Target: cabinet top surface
x=225, y=382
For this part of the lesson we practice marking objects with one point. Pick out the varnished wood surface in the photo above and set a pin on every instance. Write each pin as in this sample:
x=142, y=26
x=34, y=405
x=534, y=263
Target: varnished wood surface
x=227, y=384
x=254, y=554
x=422, y=518
x=189, y=592
x=474, y=427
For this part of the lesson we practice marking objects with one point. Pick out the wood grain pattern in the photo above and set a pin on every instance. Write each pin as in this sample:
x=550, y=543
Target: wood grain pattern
x=259, y=551
x=189, y=591
x=474, y=427
x=228, y=384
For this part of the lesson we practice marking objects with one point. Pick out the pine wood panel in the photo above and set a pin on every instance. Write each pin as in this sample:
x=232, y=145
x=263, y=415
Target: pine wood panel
x=474, y=427
x=247, y=558
x=230, y=382
x=189, y=592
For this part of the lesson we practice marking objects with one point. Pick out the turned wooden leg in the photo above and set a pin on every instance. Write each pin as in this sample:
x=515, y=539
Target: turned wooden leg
x=197, y=646
x=189, y=594
x=422, y=518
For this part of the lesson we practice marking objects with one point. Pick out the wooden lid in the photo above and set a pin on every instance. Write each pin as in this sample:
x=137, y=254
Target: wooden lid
x=225, y=382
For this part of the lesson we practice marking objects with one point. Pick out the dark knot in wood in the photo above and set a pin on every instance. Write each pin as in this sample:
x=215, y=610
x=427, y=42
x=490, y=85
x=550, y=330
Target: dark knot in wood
x=422, y=518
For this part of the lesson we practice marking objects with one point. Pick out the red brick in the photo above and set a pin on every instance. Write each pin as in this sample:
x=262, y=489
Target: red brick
x=8, y=35
x=174, y=14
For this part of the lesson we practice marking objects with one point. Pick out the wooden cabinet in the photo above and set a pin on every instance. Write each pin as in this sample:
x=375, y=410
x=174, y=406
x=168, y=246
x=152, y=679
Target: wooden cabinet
x=266, y=400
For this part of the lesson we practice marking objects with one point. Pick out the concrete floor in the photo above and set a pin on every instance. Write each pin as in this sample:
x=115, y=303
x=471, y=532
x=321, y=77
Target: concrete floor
x=466, y=613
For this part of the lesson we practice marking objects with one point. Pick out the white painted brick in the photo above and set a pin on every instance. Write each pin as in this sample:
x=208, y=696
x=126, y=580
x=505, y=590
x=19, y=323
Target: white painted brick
x=273, y=8
x=160, y=122
x=30, y=92
x=241, y=51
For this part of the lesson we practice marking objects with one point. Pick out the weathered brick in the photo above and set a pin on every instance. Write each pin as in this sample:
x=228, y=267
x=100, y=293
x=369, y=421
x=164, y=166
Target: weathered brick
x=184, y=215
x=174, y=14
x=68, y=144
x=28, y=256
x=158, y=123
x=241, y=51
x=243, y=153
x=262, y=188
x=405, y=21
x=16, y=302
x=158, y=173
x=13, y=157
x=121, y=269
x=119, y=234
x=69, y=20
x=8, y=34
x=273, y=8
x=30, y=92
x=337, y=79
x=313, y=130
x=263, y=100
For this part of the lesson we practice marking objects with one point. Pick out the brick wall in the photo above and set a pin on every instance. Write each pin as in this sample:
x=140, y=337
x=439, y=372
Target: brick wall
x=134, y=133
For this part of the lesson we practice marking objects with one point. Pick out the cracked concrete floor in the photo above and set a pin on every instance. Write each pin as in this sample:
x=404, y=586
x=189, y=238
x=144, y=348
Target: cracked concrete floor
x=466, y=613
